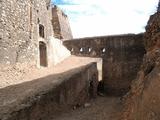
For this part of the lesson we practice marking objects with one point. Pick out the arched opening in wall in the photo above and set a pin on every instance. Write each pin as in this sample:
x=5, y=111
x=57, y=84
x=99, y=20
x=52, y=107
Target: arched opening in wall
x=47, y=7
x=89, y=49
x=72, y=50
x=41, y=30
x=100, y=87
x=43, y=54
x=81, y=50
x=103, y=50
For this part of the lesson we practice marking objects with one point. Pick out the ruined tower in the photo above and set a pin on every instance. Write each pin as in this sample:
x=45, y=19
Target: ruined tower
x=61, y=24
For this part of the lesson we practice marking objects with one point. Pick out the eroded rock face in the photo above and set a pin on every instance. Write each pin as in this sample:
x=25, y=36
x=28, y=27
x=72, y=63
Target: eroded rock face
x=143, y=101
x=152, y=34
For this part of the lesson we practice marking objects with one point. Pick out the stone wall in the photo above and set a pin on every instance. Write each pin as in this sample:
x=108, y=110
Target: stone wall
x=53, y=94
x=61, y=24
x=19, y=29
x=122, y=56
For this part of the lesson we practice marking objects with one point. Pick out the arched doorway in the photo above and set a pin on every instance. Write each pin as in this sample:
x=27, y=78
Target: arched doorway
x=43, y=54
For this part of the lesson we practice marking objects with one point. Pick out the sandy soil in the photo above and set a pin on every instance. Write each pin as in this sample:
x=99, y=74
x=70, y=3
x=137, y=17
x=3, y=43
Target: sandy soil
x=102, y=108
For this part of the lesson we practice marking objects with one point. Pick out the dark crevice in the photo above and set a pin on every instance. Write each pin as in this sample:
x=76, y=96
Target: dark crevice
x=149, y=69
x=91, y=87
x=100, y=87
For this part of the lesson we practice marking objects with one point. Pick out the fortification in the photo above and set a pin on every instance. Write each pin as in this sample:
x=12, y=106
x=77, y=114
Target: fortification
x=61, y=24
x=26, y=32
x=23, y=25
x=131, y=62
x=122, y=56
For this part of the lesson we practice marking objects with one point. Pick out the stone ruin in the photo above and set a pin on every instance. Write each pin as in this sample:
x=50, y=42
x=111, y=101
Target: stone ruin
x=33, y=33
x=44, y=71
x=60, y=21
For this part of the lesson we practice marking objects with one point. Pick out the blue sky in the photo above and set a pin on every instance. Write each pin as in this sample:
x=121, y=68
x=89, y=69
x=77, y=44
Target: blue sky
x=107, y=17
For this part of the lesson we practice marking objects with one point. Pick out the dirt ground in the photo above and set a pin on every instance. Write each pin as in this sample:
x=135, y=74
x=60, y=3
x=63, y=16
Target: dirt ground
x=20, y=73
x=101, y=108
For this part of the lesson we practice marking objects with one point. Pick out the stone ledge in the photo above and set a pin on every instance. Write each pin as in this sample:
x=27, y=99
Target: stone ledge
x=40, y=98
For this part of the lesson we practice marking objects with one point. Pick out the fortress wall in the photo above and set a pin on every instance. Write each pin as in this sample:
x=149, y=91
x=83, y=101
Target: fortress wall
x=61, y=24
x=53, y=95
x=122, y=56
x=19, y=29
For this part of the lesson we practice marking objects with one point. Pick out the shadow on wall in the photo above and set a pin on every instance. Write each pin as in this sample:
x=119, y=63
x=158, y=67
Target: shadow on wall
x=49, y=96
x=122, y=56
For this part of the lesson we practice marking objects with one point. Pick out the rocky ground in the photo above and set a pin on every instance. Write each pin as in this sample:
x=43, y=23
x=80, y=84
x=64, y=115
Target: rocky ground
x=102, y=108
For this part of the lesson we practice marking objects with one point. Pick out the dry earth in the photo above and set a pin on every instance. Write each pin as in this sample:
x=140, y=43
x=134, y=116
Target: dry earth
x=102, y=108
x=20, y=73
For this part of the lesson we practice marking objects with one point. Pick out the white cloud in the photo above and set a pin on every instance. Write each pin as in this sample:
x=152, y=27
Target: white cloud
x=105, y=17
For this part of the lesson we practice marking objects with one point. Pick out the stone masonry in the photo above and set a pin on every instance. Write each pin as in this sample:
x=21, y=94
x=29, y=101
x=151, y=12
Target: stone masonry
x=122, y=56
x=19, y=33
x=26, y=30
x=60, y=21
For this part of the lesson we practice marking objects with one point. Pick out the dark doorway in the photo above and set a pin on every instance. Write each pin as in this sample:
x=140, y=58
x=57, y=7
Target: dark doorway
x=43, y=54
x=93, y=86
x=41, y=31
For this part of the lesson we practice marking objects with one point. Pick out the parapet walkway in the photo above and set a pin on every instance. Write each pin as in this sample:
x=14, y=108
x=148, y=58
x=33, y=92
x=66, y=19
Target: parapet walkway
x=48, y=91
x=13, y=76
